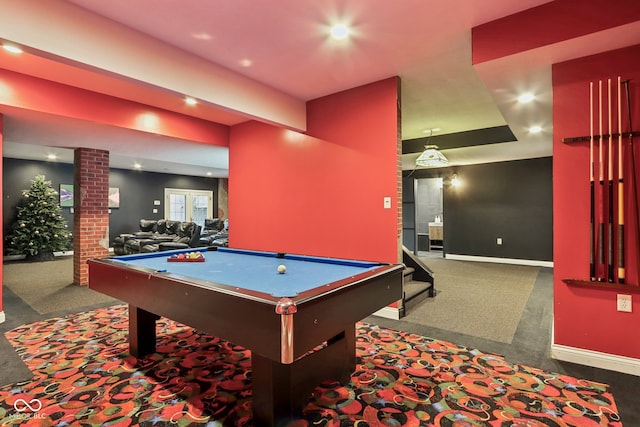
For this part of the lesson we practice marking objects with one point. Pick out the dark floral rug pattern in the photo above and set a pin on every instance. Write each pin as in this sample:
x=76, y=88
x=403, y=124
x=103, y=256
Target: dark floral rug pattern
x=83, y=376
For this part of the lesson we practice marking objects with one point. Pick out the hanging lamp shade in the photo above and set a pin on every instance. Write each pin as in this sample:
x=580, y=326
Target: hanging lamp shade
x=431, y=157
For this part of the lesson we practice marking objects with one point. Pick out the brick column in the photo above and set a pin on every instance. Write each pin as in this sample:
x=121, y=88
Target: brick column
x=399, y=171
x=91, y=210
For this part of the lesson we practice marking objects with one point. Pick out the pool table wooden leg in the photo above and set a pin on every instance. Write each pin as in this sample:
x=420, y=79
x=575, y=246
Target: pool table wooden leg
x=280, y=391
x=142, y=331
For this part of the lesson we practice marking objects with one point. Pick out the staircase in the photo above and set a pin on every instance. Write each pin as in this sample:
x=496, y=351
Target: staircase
x=418, y=282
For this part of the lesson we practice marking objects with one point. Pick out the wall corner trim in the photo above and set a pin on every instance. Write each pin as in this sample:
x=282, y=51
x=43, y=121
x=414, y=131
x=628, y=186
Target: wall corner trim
x=532, y=262
x=596, y=359
x=2, y=317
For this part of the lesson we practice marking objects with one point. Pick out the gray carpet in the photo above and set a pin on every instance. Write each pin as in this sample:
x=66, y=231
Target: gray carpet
x=484, y=300
x=48, y=286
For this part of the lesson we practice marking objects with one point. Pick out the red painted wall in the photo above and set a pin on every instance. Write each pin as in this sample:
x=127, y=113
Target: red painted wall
x=321, y=193
x=1, y=233
x=549, y=23
x=587, y=317
x=30, y=93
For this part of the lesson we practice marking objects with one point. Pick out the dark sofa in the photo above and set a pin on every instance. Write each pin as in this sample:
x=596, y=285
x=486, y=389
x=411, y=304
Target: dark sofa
x=160, y=235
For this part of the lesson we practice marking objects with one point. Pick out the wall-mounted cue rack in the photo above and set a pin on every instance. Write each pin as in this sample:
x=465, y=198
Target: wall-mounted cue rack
x=576, y=139
x=607, y=236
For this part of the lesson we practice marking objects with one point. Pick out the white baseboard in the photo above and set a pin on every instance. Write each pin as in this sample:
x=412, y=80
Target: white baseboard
x=611, y=362
x=389, y=313
x=20, y=257
x=2, y=318
x=532, y=262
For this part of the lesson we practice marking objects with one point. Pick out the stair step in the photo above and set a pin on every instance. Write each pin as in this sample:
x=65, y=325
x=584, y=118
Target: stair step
x=413, y=289
x=407, y=274
x=414, y=293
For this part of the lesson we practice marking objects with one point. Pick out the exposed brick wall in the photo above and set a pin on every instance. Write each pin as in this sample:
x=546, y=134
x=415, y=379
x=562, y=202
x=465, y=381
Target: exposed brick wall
x=91, y=210
x=399, y=162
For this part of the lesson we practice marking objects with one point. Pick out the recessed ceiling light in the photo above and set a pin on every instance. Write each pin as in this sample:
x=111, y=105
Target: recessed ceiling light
x=11, y=48
x=137, y=166
x=148, y=121
x=201, y=36
x=246, y=62
x=535, y=129
x=52, y=156
x=526, y=97
x=340, y=31
x=209, y=173
x=190, y=101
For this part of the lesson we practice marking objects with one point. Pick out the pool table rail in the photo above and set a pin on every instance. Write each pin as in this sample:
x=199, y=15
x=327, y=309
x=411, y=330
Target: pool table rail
x=262, y=297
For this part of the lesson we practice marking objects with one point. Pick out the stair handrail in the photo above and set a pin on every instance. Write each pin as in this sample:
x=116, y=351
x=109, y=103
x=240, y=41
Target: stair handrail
x=422, y=272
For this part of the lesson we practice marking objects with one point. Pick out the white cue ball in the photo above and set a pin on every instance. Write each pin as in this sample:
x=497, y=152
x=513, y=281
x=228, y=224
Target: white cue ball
x=282, y=269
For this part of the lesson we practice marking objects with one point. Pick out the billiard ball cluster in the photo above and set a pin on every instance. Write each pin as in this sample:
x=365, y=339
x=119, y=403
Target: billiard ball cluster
x=187, y=255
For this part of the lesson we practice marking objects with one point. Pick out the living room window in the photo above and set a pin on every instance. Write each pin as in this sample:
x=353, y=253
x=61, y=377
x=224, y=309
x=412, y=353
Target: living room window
x=188, y=205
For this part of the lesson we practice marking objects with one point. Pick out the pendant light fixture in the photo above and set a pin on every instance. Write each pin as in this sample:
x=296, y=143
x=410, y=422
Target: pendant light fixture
x=431, y=158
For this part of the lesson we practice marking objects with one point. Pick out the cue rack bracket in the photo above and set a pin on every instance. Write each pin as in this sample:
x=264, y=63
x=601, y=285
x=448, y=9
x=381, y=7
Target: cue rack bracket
x=576, y=139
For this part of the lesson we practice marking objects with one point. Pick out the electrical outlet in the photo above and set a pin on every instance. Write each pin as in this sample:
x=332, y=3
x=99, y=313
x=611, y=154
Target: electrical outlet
x=624, y=303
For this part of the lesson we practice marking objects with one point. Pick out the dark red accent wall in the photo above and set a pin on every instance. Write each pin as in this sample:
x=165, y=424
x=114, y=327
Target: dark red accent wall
x=552, y=22
x=39, y=95
x=320, y=193
x=1, y=233
x=587, y=317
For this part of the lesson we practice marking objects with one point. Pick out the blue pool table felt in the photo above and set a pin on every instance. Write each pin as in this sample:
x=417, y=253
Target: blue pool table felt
x=256, y=271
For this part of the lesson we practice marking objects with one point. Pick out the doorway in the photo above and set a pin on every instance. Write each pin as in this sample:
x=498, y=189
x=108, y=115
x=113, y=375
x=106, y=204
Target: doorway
x=429, y=217
x=188, y=205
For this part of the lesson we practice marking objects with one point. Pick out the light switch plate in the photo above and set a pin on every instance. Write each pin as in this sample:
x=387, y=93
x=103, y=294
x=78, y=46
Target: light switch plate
x=624, y=303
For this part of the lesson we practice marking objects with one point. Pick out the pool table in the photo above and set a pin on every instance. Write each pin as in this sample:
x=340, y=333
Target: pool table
x=299, y=325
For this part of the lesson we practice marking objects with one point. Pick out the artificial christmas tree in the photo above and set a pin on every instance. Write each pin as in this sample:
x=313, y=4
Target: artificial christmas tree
x=39, y=229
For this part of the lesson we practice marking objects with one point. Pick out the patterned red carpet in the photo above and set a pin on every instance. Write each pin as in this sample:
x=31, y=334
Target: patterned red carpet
x=83, y=376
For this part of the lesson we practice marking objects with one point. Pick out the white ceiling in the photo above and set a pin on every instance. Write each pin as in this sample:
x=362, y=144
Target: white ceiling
x=276, y=51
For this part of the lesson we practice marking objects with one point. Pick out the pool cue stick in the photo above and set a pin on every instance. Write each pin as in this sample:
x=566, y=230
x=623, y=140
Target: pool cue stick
x=601, y=268
x=634, y=186
x=610, y=276
x=592, y=213
x=621, y=269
